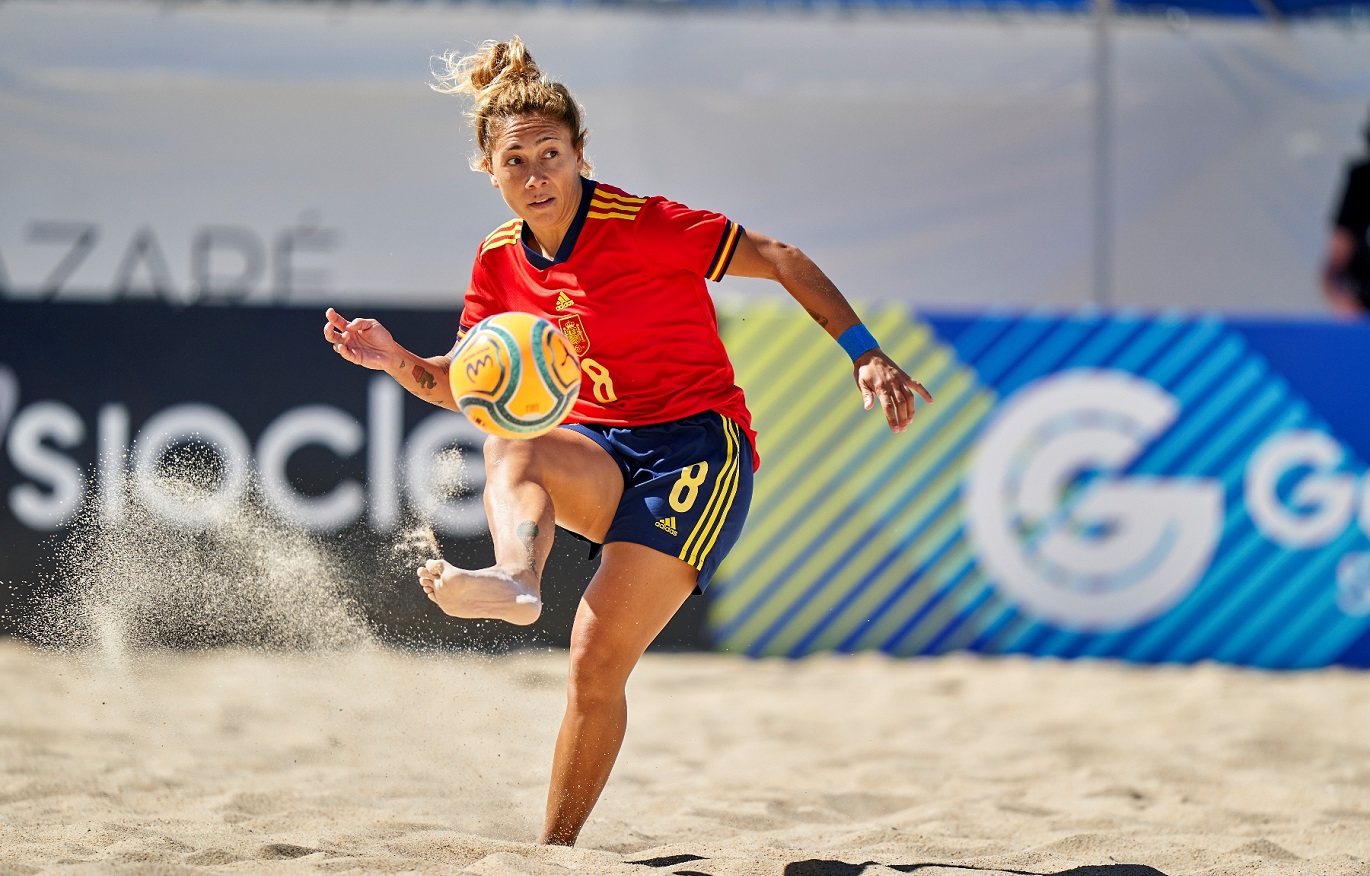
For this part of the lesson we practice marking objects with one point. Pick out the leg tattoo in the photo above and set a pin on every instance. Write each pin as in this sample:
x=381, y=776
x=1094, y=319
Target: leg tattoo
x=528, y=533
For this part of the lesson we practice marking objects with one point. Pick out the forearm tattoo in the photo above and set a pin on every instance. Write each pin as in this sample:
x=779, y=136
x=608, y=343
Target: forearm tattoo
x=424, y=378
x=819, y=318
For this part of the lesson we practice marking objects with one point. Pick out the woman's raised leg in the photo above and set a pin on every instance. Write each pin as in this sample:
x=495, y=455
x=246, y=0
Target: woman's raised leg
x=531, y=485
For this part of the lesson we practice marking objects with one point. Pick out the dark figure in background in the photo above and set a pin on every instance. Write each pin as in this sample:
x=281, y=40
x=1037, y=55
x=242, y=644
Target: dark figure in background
x=1346, y=269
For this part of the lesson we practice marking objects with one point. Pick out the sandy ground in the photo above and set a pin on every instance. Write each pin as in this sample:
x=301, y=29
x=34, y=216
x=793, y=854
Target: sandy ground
x=378, y=761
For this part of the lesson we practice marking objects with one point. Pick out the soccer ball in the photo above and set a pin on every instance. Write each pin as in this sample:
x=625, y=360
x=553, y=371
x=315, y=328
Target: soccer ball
x=515, y=375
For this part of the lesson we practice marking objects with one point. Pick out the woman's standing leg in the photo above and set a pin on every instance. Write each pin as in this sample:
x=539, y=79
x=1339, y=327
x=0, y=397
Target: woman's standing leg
x=628, y=602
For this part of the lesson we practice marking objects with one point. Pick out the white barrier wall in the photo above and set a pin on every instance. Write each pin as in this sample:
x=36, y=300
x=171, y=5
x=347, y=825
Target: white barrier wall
x=271, y=153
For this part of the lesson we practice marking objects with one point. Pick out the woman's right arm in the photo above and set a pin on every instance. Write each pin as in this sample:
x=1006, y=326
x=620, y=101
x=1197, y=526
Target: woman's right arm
x=367, y=343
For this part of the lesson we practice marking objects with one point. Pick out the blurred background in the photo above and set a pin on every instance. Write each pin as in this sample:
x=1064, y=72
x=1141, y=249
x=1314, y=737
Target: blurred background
x=1097, y=231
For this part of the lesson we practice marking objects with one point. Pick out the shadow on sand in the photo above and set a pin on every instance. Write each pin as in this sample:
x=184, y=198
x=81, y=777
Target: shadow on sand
x=842, y=868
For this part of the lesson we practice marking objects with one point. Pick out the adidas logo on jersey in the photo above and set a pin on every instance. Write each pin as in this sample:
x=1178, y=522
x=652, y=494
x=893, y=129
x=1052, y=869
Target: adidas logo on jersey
x=666, y=524
x=564, y=301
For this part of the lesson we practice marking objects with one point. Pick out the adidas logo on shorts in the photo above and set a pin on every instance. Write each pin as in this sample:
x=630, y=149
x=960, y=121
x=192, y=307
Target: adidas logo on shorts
x=666, y=524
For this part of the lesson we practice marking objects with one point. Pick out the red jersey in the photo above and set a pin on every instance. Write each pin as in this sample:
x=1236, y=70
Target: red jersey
x=627, y=289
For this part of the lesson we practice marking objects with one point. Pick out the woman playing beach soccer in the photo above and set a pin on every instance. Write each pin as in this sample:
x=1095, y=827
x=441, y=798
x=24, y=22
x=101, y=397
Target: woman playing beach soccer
x=655, y=461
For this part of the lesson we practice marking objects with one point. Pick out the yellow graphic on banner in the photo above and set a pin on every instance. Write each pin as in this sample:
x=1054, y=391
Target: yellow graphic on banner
x=853, y=531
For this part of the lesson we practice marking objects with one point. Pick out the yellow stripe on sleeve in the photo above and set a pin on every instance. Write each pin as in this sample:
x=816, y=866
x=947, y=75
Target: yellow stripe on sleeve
x=725, y=254
x=602, y=195
x=597, y=204
x=496, y=244
x=512, y=226
x=505, y=234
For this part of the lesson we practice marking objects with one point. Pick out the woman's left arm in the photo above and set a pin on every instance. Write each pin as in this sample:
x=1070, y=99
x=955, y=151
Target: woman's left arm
x=877, y=376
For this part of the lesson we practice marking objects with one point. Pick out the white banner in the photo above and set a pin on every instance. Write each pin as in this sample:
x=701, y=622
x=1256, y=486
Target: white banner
x=283, y=153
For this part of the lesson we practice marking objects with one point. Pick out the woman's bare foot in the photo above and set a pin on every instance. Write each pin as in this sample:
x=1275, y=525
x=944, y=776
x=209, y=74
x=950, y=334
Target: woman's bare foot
x=473, y=593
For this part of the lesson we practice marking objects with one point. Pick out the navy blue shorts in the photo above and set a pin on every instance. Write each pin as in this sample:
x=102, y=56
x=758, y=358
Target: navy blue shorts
x=687, y=485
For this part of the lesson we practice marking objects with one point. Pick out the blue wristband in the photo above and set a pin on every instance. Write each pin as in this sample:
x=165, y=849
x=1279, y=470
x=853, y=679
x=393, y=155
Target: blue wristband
x=857, y=341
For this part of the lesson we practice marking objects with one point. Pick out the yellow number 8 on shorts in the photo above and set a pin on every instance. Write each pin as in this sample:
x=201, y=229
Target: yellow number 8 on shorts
x=687, y=486
x=686, y=490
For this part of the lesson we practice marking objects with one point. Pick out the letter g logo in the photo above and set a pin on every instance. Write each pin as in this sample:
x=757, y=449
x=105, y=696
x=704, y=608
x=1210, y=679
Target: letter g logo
x=1064, y=538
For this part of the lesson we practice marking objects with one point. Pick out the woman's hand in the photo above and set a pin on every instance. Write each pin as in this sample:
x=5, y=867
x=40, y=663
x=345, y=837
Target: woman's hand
x=363, y=342
x=882, y=381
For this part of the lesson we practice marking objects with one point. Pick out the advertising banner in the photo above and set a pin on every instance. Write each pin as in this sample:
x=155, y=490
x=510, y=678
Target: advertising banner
x=1150, y=488
x=1153, y=488
x=298, y=459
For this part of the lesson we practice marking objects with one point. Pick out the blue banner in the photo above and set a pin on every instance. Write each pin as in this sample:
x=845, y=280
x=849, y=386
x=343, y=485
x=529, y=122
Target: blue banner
x=1151, y=488
x=1163, y=489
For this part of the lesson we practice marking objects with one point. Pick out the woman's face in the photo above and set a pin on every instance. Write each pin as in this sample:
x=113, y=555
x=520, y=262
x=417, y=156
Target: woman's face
x=537, y=169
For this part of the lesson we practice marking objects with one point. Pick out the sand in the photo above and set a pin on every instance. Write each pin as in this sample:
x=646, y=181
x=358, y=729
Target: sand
x=370, y=759
x=283, y=733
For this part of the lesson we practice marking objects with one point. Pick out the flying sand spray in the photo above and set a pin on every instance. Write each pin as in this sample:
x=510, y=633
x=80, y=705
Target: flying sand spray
x=248, y=580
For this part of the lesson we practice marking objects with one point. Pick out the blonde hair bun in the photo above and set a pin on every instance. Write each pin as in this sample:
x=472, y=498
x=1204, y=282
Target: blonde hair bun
x=505, y=82
x=485, y=68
